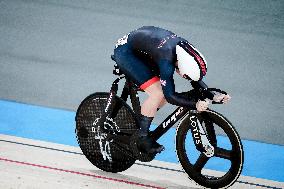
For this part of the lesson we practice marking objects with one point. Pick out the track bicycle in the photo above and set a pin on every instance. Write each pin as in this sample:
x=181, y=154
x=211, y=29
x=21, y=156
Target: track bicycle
x=107, y=133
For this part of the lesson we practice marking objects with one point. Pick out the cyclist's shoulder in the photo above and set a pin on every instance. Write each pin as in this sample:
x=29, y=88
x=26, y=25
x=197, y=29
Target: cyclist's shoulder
x=154, y=32
x=151, y=31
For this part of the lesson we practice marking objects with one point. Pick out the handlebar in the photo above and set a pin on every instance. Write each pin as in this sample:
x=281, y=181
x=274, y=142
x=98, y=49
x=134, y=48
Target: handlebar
x=203, y=92
x=219, y=91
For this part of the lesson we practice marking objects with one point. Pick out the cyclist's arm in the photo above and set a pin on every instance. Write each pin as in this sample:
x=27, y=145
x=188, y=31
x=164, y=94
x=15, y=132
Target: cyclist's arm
x=201, y=85
x=166, y=73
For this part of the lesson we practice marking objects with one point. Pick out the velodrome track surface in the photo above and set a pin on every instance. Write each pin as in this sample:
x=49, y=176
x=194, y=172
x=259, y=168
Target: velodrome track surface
x=51, y=165
x=55, y=53
x=38, y=149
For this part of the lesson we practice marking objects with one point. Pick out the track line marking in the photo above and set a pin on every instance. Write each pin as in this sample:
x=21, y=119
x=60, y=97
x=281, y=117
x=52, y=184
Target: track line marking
x=141, y=164
x=80, y=173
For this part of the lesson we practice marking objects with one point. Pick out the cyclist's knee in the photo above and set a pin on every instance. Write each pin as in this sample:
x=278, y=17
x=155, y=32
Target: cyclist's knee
x=155, y=93
x=158, y=96
x=154, y=89
x=163, y=102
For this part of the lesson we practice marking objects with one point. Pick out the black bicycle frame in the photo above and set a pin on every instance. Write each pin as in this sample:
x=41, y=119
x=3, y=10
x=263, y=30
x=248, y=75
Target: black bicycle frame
x=169, y=122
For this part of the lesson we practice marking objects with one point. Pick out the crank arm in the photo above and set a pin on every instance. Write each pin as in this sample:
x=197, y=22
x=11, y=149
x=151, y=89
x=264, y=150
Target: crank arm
x=120, y=137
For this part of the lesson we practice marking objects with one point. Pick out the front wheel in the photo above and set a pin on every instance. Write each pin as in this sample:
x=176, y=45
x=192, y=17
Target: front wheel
x=225, y=166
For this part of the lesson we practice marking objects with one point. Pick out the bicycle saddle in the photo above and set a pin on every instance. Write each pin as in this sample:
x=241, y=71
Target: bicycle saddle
x=116, y=70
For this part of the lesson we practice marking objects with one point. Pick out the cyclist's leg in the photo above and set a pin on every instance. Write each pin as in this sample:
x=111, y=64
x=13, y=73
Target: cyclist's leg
x=149, y=109
x=138, y=71
x=155, y=100
x=163, y=102
x=132, y=66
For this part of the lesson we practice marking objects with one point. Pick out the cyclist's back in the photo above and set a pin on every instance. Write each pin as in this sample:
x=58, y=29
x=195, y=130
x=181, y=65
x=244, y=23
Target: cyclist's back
x=154, y=43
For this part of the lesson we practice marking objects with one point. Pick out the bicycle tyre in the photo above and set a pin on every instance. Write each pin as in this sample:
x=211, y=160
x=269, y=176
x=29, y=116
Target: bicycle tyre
x=236, y=154
x=110, y=156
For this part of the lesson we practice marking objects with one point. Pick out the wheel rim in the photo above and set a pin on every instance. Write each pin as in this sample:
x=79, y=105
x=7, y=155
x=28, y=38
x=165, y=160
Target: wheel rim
x=228, y=155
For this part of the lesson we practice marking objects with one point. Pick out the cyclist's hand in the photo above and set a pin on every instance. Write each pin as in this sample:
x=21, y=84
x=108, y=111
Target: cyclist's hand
x=202, y=105
x=222, y=97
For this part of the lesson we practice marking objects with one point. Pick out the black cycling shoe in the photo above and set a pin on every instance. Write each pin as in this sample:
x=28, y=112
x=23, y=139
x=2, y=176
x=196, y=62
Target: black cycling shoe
x=147, y=145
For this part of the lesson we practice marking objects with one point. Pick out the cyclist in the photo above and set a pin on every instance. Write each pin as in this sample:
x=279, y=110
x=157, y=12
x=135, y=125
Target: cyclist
x=149, y=56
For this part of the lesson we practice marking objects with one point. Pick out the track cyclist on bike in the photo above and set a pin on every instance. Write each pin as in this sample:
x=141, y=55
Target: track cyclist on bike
x=149, y=56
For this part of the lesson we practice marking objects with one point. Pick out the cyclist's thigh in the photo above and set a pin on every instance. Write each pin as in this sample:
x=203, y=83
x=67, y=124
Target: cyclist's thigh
x=132, y=66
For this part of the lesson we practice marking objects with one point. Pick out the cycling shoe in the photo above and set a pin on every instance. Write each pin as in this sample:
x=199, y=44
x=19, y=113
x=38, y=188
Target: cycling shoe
x=147, y=145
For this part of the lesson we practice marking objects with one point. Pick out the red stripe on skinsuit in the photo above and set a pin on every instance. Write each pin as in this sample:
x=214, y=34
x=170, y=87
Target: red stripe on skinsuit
x=149, y=82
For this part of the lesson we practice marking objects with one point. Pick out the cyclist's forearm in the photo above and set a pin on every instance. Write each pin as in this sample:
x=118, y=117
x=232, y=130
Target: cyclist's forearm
x=180, y=100
x=201, y=85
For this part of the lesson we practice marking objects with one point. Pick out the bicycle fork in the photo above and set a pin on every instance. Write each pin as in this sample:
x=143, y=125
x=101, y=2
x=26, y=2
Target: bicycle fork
x=199, y=137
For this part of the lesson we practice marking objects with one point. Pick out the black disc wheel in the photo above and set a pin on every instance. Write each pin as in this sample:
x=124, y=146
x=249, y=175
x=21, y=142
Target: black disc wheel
x=219, y=170
x=106, y=146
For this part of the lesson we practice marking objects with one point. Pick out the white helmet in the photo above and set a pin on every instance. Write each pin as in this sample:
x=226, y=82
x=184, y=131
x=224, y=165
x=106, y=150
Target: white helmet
x=191, y=63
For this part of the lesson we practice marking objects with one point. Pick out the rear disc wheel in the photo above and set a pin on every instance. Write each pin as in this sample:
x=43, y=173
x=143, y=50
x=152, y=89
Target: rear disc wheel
x=103, y=149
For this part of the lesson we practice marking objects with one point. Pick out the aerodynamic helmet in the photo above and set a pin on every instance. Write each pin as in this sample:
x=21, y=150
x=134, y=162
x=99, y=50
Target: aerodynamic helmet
x=191, y=63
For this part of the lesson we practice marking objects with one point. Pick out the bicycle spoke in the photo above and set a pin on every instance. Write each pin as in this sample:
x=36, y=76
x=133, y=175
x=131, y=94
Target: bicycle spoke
x=200, y=163
x=223, y=153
